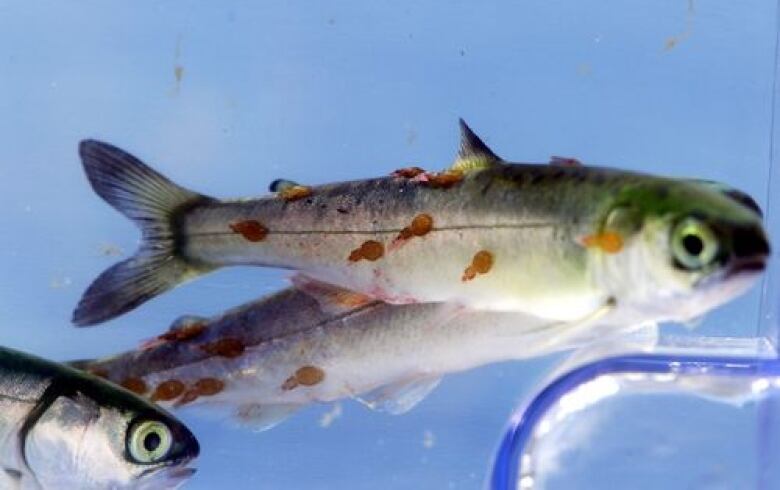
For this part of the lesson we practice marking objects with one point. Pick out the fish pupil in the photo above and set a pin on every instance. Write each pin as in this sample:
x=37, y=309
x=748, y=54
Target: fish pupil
x=152, y=441
x=693, y=244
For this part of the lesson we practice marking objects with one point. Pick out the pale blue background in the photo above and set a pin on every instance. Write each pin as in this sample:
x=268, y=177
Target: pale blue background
x=323, y=91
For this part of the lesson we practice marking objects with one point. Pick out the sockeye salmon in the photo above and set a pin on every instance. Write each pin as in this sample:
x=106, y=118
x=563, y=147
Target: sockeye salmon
x=559, y=242
x=61, y=428
x=265, y=359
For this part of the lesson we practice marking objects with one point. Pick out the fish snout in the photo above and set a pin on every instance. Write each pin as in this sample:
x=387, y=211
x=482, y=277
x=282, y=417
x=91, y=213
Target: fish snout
x=750, y=249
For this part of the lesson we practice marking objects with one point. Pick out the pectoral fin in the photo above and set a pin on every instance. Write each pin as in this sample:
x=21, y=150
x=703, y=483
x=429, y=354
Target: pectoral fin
x=259, y=417
x=332, y=299
x=400, y=397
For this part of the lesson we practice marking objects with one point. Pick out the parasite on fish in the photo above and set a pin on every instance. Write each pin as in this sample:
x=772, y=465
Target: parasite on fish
x=61, y=428
x=564, y=237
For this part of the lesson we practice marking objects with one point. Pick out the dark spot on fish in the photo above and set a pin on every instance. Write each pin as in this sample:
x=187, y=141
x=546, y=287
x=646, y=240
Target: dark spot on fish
x=14, y=474
x=370, y=250
x=136, y=385
x=342, y=210
x=168, y=390
x=227, y=347
x=251, y=229
x=323, y=206
x=481, y=263
x=182, y=334
x=310, y=201
x=304, y=376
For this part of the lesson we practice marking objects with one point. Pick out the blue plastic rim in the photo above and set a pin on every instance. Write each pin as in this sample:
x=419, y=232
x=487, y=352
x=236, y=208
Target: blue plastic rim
x=507, y=462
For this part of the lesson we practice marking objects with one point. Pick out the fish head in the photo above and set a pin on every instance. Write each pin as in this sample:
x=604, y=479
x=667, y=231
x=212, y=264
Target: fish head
x=689, y=247
x=108, y=439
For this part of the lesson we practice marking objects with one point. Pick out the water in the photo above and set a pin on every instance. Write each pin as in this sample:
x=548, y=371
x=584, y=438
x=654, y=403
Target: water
x=226, y=97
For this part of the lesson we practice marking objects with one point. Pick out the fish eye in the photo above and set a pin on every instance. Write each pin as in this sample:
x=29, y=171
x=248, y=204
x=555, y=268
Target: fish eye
x=149, y=441
x=694, y=245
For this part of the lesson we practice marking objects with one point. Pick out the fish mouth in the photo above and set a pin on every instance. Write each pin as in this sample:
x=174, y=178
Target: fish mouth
x=747, y=266
x=168, y=477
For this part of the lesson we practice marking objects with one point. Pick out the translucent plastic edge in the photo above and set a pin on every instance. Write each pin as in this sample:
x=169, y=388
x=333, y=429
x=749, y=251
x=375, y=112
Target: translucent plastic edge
x=521, y=427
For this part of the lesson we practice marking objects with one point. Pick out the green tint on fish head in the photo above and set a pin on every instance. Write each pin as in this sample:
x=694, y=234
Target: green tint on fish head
x=688, y=249
x=106, y=439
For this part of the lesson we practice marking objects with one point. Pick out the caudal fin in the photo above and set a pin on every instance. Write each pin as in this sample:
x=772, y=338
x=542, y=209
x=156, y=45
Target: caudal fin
x=153, y=203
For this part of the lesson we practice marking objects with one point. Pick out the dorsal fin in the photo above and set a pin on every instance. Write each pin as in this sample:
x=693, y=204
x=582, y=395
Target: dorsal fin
x=473, y=154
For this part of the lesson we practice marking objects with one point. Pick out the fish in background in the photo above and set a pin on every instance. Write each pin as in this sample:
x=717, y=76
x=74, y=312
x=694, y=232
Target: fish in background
x=61, y=428
x=563, y=243
x=312, y=343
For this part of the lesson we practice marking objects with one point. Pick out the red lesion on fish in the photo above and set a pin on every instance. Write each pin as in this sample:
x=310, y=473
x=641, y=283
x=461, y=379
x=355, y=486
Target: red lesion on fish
x=421, y=225
x=202, y=387
x=168, y=390
x=304, y=376
x=183, y=334
x=228, y=347
x=481, y=263
x=610, y=242
x=295, y=192
x=370, y=250
x=136, y=385
x=408, y=172
x=251, y=230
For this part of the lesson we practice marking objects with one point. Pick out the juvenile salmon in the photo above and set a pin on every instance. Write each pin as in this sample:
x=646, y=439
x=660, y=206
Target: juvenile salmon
x=559, y=242
x=265, y=359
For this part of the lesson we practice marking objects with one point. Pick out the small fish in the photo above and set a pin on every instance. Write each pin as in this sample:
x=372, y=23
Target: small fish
x=553, y=241
x=61, y=428
x=315, y=343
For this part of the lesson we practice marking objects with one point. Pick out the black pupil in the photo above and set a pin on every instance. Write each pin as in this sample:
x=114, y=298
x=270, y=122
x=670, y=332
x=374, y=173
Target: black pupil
x=152, y=441
x=693, y=244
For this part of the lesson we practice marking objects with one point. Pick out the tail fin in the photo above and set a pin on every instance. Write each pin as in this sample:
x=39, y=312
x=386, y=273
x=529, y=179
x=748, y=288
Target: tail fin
x=153, y=203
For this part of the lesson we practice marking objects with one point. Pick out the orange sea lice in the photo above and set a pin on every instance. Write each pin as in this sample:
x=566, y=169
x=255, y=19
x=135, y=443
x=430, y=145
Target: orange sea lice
x=481, y=263
x=370, y=250
x=136, y=385
x=168, y=390
x=304, y=376
x=227, y=347
x=609, y=241
x=202, y=387
x=408, y=172
x=295, y=192
x=250, y=229
x=184, y=333
x=421, y=225
x=443, y=180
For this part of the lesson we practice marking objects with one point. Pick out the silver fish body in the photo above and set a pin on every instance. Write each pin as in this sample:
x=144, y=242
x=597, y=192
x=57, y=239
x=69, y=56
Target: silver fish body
x=268, y=358
x=62, y=429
